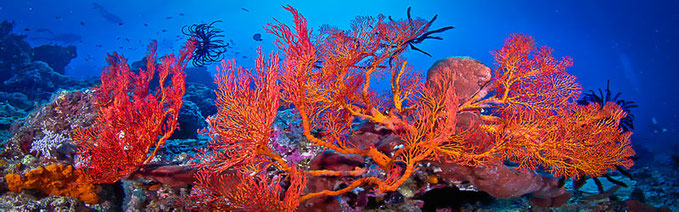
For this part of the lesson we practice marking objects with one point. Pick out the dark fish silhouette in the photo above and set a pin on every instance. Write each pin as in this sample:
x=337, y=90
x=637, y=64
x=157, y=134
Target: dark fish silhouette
x=107, y=15
x=257, y=37
x=27, y=29
x=43, y=30
x=63, y=38
x=82, y=23
x=181, y=14
x=246, y=10
x=169, y=17
x=146, y=25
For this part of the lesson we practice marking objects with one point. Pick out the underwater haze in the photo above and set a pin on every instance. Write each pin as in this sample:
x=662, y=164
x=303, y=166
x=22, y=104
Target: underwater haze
x=630, y=46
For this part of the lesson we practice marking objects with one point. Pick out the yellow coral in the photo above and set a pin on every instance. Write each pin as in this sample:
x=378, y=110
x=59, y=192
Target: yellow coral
x=56, y=179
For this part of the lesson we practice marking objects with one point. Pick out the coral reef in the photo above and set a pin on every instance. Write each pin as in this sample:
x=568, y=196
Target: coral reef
x=307, y=129
x=12, y=201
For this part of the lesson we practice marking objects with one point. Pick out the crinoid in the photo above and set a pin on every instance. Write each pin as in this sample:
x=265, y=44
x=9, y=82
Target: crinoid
x=626, y=124
x=209, y=46
x=603, y=96
x=426, y=35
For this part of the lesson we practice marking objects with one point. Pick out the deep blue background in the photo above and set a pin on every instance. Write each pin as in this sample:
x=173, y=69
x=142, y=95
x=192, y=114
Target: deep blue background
x=632, y=43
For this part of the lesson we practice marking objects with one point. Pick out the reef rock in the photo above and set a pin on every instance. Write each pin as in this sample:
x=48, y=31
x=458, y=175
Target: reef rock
x=190, y=121
x=56, y=56
x=14, y=51
x=65, y=112
x=38, y=81
x=203, y=96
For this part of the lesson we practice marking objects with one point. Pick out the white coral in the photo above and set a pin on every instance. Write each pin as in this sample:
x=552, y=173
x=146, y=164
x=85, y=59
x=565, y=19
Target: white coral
x=48, y=143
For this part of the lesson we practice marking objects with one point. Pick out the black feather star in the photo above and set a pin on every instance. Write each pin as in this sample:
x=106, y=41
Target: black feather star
x=626, y=124
x=209, y=46
x=424, y=36
x=604, y=96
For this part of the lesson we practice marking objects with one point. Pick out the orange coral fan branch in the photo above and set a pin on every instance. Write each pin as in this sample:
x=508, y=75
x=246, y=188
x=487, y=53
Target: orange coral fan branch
x=241, y=191
x=529, y=77
x=350, y=187
x=247, y=106
x=356, y=172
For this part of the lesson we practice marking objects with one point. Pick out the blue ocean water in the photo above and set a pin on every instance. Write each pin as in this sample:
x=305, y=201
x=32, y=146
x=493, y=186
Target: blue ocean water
x=631, y=43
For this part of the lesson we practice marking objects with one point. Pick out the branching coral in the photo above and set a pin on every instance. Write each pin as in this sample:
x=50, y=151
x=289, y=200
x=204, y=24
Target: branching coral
x=46, y=145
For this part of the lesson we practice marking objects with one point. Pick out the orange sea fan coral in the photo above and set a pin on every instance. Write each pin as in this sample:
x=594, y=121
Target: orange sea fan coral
x=532, y=118
x=583, y=140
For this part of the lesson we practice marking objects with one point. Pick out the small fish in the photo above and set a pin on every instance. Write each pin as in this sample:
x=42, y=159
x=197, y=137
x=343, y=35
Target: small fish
x=82, y=23
x=99, y=45
x=58, y=17
x=169, y=17
x=246, y=10
x=27, y=29
x=181, y=14
x=146, y=25
x=164, y=30
x=155, y=187
x=127, y=39
x=257, y=37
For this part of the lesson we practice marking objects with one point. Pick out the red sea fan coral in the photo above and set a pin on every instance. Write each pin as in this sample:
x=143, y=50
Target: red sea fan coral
x=132, y=119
